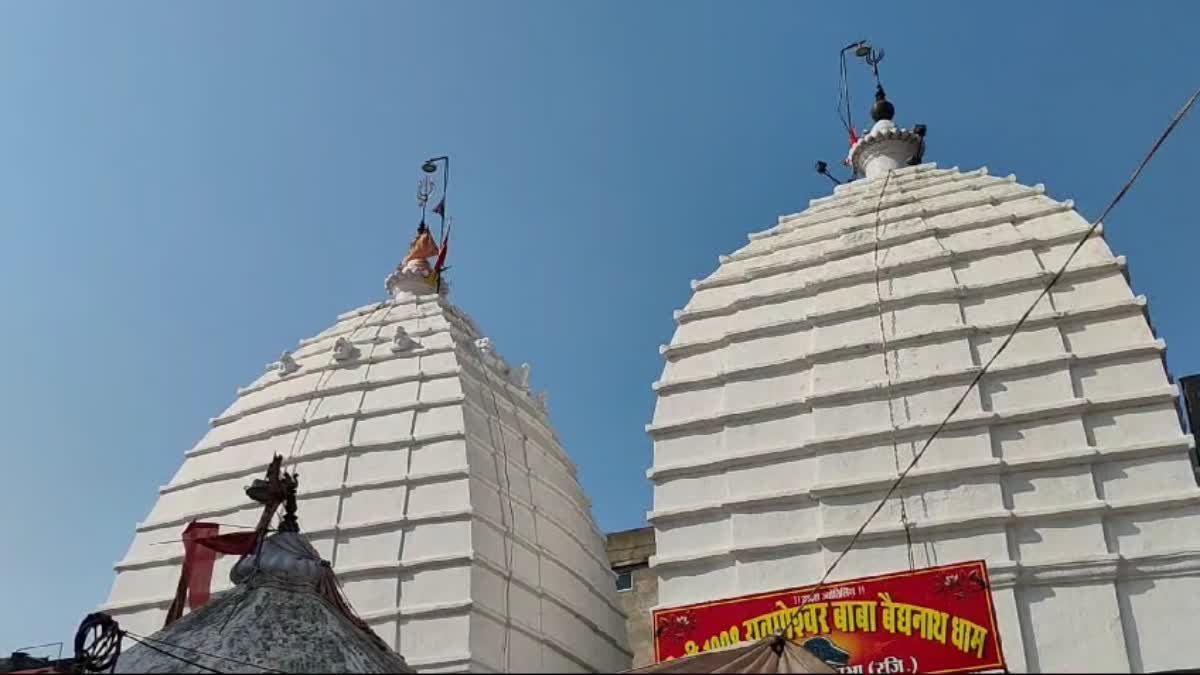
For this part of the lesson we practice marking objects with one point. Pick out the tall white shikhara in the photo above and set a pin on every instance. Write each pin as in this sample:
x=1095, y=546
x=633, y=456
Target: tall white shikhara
x=430, y=478
x=1067, y=469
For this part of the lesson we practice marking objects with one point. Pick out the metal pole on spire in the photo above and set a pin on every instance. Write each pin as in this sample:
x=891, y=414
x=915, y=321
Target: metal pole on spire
x=431, y=166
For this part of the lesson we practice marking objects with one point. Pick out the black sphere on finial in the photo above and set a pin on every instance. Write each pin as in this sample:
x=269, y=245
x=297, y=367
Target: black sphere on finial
x=883, y=108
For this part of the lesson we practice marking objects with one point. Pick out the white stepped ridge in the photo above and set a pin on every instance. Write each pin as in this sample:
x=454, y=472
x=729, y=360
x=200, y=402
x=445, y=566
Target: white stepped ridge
x=1067, y=469
x=432, y=480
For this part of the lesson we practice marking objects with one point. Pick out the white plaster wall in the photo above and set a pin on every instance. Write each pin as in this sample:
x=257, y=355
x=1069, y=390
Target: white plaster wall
x=433, y=483
x=1066, y=468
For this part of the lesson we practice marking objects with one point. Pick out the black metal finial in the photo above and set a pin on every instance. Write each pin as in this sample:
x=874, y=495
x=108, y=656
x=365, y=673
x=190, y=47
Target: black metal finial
x=289, y=522
x=882, y=109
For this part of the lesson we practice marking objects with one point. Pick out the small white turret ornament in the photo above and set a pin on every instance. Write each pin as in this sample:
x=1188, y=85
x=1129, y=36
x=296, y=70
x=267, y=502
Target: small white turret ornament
x=401, y=342
x=521, y=376
x=886, y=147
x=287, y=364
x=344, y=350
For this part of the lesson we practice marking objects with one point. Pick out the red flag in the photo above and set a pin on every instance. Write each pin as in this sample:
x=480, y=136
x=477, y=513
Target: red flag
x=440, y=209
x=199, y=561
x=441, y=259
x=236, y=543
x=195, y=575
x=435, y=279
x=853, y=136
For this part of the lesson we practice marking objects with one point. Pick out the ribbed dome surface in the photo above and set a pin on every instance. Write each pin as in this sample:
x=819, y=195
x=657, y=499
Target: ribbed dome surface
x=431, y=479
x=1067, y=469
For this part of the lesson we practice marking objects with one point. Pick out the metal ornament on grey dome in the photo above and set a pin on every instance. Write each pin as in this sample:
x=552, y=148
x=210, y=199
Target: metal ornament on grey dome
x=285, y=612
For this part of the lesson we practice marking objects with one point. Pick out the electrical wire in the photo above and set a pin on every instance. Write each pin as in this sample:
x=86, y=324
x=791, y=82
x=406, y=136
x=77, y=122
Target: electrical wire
x=144, y=642
x=1003, y=345
x=844, y=94
x=147, y=640
x=512, y=525
x=887, y=369
x=326, y=375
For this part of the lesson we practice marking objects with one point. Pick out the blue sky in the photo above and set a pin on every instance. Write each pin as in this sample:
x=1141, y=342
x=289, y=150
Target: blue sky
x=189, y=188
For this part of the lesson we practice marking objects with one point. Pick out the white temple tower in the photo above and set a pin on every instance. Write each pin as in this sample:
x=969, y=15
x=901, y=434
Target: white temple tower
x=431, y=479
x=1066, y=469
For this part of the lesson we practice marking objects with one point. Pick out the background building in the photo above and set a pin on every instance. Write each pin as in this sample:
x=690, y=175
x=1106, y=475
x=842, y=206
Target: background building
x=629, y=553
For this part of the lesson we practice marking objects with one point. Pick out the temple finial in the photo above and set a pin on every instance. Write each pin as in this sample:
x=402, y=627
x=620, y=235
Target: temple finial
x=415, y=274
x=290, y=484
x=885, y=147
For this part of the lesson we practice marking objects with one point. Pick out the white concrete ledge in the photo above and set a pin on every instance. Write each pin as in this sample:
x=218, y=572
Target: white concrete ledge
x=828, y=354
x=877, y=530
x=812, y=495
x=320, y=390
x=443, y=662
x=936, y=232
x=916, y=477
x=545, y=638
x=486, y=370
x=881, y=389
x=871, y=307
x=896, y=211
x=548, y=594
x=852, y=196
x=862, y=207
x=907, y=431
x=346, y=572
x=259, y=468
x=518, y=398
x=555, y=451
x=498, y=567
x=835, y=540
x=581, y=508
x=584, y=514
x=310, y=530
x=416, y=406
x=391, y=522
x=1104, y=567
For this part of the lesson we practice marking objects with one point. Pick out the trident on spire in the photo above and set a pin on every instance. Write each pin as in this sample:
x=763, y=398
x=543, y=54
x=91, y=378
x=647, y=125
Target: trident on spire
x=872, y=56
x=430, y=167
x=424, y=192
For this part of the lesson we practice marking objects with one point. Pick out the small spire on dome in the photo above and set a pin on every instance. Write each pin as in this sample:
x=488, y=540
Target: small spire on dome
x=289, y=522
x=415, y=274
x=287, y=364
x=885, y=147
x=883, y=108
x=401, y=342
x=344, y=350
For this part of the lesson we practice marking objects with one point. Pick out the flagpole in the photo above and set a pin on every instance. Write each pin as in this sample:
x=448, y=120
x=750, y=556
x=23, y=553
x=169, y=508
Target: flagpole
x=430, y=166
x=445, y=184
